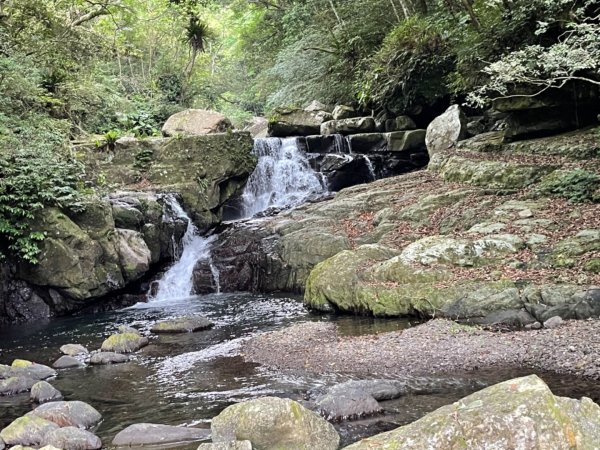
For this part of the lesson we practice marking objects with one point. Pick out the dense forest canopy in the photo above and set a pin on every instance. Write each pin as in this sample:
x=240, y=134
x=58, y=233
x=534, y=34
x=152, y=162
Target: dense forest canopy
x=71, y=69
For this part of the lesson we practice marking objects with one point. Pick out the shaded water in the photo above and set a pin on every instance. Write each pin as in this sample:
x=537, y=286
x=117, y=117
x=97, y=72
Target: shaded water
x=190, y=378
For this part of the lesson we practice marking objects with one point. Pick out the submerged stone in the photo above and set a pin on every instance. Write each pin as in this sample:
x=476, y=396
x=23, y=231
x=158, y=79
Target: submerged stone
x=156, y=434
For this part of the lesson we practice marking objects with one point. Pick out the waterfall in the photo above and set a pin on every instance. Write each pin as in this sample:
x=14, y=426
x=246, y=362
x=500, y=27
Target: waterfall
x=177, y=282
x=341, y=143
x=371, y=168
x=283, y=176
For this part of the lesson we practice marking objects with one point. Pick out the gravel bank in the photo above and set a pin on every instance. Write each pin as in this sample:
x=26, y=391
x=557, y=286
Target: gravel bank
x=436, y=347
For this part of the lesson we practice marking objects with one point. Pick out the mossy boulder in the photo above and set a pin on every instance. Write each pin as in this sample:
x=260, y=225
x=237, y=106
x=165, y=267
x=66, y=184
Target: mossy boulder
x=489, y=174
x=521, y=413
x=272, y=423
x=68, y=414
x=27, y=430
x=124, y=343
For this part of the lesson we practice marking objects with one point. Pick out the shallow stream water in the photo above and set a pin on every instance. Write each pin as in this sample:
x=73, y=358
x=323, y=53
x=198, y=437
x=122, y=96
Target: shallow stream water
x=189, y=378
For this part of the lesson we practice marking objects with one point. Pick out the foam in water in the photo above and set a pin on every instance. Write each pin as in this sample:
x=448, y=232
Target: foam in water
x=177, y=282
x=283, y=176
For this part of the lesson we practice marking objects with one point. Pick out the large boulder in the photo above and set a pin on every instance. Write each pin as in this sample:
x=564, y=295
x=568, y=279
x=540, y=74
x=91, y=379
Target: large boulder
x=27, y=430
x=196, y=122
x=134, y=255
x=349, y=126
x=344, y=112
x=271, y=423
x=258, y=127
x=155, y=434
x=446, y=130
x=521, y=413
x=73, y=349
x=68, y=414
x=67, y=362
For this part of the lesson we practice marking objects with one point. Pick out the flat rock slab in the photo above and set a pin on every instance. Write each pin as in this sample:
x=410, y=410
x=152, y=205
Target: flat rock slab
x=67, y=362
x=103, y=358
x=27, y=430
x=155, y=434
x=234, y=445
x=73, y=350
x=124, y=343
x=182, y=325
x=16, y=385
x=72, y=438
x=43, y=392
x=68, y=414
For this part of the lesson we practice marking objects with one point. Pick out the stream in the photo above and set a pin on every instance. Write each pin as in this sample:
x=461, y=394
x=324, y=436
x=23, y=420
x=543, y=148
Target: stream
x=186, y=379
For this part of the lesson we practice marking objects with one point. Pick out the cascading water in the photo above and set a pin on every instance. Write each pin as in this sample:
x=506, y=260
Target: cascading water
x=177, y=282
x=283, y=176
x=371, y=168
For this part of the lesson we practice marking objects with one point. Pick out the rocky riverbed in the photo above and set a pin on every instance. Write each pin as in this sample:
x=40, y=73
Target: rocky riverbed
x=437, y=347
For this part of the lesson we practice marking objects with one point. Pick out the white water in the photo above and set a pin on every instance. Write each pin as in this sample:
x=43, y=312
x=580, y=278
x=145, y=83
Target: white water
x=371, y=168
x=283, y=176
x=177, y=282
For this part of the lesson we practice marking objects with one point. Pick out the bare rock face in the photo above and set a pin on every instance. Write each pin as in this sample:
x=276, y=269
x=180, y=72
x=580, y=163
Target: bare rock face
x=43, y=392
x=68, y=414
x=73, y=350
x=520, y=413
x=196, y=122
x=446, y=130
x=72, y=438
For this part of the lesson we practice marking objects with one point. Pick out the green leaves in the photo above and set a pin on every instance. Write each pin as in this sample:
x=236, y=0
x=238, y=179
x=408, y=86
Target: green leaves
x=30, y=179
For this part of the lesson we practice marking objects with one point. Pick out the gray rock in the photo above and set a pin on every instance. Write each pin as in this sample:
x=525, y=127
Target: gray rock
x=533, y=326
x=403, y=141
x=343, y=112
x=34, y=371
x=349, y=126
x=347, y=404
x=233, y=445
x=72, y=438
x=43, y=392
x=155, y=434
x=187, y=324
x=68, y=414
x=196, y=122
x=124, y=343
x=271, y=423
x=67, y=362
x=2, y=444
x=553, y=322
x=446, y=130
x=400, y=123
x=27, y=430
x=103, y=358
x=16, y=385
x=73, y=350
x=134, y=255
x=127, y=329
x=317, y=106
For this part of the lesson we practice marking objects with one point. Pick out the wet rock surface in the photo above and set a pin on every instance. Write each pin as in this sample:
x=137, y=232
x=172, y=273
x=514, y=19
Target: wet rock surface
x=182, y=325
x=127, y=342
x=102, y=358
x=156, y=434
x=72, y=438
x=73, y=349
x=67, y=362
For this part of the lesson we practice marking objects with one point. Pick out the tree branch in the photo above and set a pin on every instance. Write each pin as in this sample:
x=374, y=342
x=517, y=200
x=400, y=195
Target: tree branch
x=102, y=11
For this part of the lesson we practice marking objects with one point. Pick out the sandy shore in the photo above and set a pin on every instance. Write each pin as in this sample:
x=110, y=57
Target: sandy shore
x=436, y=347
